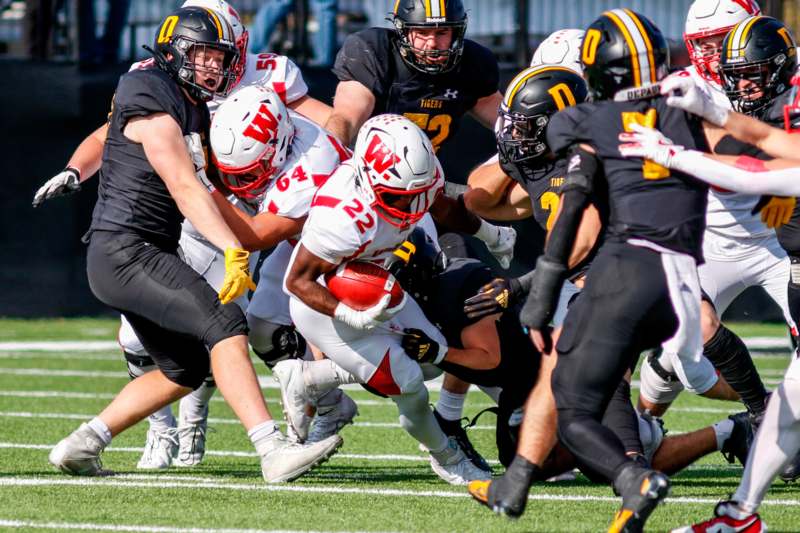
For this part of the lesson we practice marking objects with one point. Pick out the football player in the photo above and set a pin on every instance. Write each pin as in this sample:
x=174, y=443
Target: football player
x=739, y=249
x=651, y=248
x=274, y=161
x=364, y=211
x=267, y=70
x=148, y=184
x=562, y=48
x=423, y=69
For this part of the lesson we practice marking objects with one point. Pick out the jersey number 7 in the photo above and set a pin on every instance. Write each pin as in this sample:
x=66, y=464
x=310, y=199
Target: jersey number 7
x=650, y=170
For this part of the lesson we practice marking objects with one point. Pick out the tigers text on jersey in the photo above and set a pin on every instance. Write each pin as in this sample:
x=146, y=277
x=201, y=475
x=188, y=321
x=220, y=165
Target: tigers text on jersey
x=273, y=71
x=434, y=102
x=342, y=226
x=542, y=180
x=646, y=201
x=729, y=215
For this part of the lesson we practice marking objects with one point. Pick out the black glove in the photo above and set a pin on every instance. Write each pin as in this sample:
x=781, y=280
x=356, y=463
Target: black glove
x=419, y=346
x=494, y=297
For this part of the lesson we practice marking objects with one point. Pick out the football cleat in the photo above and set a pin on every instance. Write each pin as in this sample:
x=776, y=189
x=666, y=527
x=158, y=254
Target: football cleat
x=454, y=430
x=284, y=460
x=79, y=453
x=791, y=471
x=500, y=495
x=737, y=446
x=160, y=449
x=642, y=490
x=331, y=419
x=289, y=375
x=723, y=522
x=192, y=442
x=453, y=466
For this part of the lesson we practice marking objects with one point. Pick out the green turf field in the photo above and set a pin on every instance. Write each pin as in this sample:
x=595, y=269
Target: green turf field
x=378, y=482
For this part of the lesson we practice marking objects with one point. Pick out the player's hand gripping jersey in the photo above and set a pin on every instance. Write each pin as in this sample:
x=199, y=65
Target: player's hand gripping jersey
x=436, y=103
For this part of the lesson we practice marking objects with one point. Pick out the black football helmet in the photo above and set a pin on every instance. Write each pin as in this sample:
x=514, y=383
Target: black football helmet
x=623, y=50
x=759, y=50
x=532, y=97
x=411, y=14
x=194, y=28
x=416, y=263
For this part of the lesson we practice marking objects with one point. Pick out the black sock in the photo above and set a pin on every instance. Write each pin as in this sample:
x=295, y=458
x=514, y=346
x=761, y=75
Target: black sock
x=730, y=356
x=621, y=418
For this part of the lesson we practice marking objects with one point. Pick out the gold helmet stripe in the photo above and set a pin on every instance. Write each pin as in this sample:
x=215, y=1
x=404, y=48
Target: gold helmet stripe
x=739, y=37
x=216, y=21
x=396, y=5
x=649, y=45
x=519, y=80
x=614, y=15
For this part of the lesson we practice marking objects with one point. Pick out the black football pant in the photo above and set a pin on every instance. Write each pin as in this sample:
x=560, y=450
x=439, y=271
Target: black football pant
x=174, y=311
x=624, y=309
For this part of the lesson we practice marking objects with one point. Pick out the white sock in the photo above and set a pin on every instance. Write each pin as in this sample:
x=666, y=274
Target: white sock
x=322, y=376
x=723, y=430
x=162, y=419
x=776, y=443
x=451, y=405
x=194, y=406
x=100, y=427
x=263, y=433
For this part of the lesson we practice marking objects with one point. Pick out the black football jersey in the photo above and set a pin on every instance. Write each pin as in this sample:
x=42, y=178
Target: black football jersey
x=519, y=360
x=131, y=196
x=543, y=183
x=645, y=201
x=436, y=103
x=789, y=233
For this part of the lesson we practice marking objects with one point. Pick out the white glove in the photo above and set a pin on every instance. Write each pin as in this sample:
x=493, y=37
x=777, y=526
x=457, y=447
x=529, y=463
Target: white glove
x=371, y=317
x=65, y=182
x=196, y=151
x=651, y=144
x=685, y=94
x=499, y=240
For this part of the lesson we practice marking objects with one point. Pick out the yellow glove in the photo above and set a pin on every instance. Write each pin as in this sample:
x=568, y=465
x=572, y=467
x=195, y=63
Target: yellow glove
x=778, y=210
x=237, y=275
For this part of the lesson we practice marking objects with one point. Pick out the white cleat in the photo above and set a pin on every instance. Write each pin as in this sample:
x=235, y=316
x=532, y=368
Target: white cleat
x=289, y=375
x=159, y=450
x=453, y=466
x=284, y=460
x=79, y=453
x=331, y=419
x=192, y=443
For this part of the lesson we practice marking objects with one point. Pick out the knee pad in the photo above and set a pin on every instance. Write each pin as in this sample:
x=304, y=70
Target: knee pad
x=138, y=365
x=273, y=343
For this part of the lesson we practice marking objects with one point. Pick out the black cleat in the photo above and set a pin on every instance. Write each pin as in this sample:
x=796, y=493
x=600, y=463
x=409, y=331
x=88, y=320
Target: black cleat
x=500, y=495
x=452, y=428
x=642, y=490
x=791, y=472
x=737, y=446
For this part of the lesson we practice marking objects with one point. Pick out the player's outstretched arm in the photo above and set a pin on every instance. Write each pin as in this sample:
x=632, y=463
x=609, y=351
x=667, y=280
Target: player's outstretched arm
x=743, y=174
x=493, y=195
x=312, y=109
x=485, y=109
x=352, y=106
x=84, y=163
x=258, y=232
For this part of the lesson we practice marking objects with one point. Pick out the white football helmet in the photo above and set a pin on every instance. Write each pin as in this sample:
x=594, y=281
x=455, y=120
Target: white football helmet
x=397, y=168
x=251, y=137
x=224, y=9
x=563, y=48
x=713, y=18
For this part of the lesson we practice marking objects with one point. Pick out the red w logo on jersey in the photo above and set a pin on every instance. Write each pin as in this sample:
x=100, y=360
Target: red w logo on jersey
x=378, y=155
x=263, y=126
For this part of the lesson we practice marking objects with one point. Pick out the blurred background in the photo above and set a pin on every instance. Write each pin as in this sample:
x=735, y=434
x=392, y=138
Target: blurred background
x=60, y=61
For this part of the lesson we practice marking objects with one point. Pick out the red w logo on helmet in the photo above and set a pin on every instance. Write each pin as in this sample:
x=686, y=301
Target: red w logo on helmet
x=378, y=155
x=263, y=126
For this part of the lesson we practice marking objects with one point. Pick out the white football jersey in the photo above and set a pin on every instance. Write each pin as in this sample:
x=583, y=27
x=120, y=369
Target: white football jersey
x=342, y=226
x=315, y=155
x=729, y=215
x=273, y=71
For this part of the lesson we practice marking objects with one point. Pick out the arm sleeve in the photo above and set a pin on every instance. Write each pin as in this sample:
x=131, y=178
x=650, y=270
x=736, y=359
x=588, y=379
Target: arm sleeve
x=360, y=60
x=145, y=92
x=746, y=177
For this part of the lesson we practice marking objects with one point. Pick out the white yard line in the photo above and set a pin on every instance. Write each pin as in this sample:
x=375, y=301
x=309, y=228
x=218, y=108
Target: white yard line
x=147, y=529
x=139, y=481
